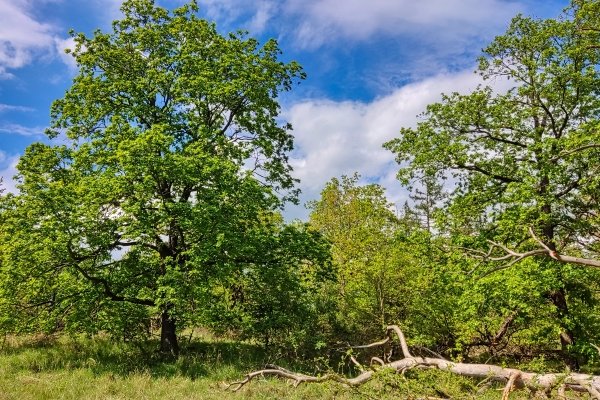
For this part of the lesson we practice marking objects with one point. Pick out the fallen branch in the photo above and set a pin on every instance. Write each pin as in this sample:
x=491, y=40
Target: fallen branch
x=511, y=377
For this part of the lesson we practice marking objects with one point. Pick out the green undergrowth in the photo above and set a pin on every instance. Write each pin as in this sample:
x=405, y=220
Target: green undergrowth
x=98, y=368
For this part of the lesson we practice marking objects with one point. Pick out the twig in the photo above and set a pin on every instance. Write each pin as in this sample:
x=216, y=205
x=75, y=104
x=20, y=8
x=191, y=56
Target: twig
x=358, y=365
x=370, y=345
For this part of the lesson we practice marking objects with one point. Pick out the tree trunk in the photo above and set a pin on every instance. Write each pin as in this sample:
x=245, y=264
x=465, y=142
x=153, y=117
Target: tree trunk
x=567, y=338
x=559, y=299
x=168, y=334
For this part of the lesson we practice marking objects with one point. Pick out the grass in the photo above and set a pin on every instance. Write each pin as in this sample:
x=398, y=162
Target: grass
x=98, y=368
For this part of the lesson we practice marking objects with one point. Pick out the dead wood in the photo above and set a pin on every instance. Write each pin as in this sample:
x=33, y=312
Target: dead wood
x=513, y=378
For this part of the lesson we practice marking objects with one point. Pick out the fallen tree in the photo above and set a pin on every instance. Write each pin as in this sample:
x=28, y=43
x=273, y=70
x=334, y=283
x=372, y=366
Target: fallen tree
x=513, y=378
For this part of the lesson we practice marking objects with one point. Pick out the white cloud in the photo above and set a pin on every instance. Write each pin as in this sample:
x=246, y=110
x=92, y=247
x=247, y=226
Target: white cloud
x=61, y=45
x=22, y=130
x=224, y=11
x=446, y=23
x=340, y=138
x=110, y=10
x=443, y=21
x=10, y=107
x=264, y=12
x=21, y=36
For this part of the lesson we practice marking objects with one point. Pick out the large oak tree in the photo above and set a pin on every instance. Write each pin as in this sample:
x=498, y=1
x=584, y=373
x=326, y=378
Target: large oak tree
x=526, y=162
x=173, y=156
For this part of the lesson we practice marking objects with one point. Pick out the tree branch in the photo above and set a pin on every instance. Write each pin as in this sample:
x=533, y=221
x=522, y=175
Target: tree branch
x=576, y=150
x=545, y=250
x=476, y=168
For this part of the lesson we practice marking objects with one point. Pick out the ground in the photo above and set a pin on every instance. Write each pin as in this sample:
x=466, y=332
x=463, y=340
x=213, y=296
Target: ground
x=97, y=367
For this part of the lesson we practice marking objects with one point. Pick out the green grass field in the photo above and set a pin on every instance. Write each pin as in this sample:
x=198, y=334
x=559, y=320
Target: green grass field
x=96, y=368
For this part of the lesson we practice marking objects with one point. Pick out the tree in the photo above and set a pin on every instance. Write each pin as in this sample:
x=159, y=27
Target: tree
x=362, y=228
x=427, y=199
x=175, y=154
x=542, y=383
x=527, y=161
x=279, y=300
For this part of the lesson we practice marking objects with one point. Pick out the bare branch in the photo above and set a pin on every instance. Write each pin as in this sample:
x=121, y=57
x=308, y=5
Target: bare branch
x=357, y=364
x=400, y=335
x=377, y=360
x=371, y=345
x=513, y=256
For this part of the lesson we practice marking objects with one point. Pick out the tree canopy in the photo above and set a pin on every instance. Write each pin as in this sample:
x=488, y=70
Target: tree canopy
x=524, y=164
x=174, y=157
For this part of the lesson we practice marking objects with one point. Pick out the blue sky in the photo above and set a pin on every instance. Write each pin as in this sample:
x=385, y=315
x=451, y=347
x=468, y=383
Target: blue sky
x=372, y=66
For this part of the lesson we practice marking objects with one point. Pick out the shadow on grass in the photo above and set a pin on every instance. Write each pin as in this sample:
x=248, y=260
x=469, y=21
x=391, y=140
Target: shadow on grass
x=101, y=355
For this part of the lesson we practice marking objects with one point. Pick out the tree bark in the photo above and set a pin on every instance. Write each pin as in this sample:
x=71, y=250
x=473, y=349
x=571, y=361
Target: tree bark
x=168, y=334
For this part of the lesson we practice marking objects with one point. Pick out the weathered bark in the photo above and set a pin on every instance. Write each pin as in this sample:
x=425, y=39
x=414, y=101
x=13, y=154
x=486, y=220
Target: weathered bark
x=514, y=378
x=168, y=334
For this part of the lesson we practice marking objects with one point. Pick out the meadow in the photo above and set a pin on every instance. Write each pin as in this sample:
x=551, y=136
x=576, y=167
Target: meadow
x=80, y=367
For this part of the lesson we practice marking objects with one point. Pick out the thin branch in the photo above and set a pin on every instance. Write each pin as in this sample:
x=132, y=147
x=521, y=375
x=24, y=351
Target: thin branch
x=357, y=364
x=370, y=345
x=476, y=168
x=108, y=292
x=576, y=150
x=545, y=250
x=377, y=360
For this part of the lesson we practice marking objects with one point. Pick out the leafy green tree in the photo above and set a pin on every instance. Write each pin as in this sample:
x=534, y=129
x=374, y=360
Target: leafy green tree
x=278, y=301
x=359, y=223
x=526, y=162
x=174, y=152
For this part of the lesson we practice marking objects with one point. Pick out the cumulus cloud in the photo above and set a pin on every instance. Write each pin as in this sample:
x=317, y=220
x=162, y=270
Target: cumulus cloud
x=21, y=36
x=24, y=38
x=340, y=138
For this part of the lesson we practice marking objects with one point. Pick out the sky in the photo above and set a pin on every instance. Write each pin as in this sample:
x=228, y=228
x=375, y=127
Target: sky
x=372, y=67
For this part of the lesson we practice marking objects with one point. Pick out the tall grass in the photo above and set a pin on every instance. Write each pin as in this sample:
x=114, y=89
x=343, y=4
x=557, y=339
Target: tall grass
x=99, y=368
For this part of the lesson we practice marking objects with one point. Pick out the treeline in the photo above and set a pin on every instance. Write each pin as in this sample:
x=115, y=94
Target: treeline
x=163, y=209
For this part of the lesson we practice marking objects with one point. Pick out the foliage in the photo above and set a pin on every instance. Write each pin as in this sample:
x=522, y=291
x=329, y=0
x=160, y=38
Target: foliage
x=527, y=158
x=277, y=300
x=173, y=154
x=361, y=227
